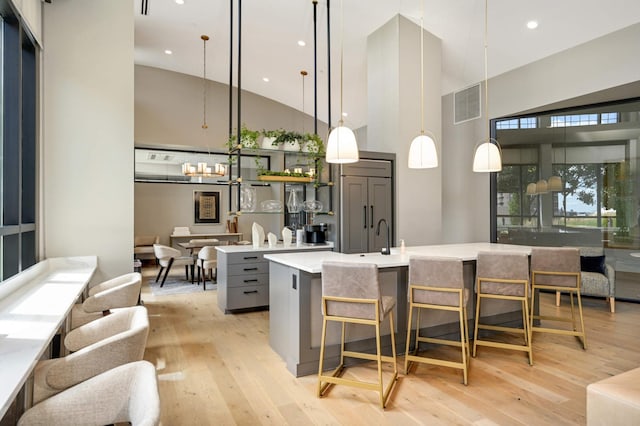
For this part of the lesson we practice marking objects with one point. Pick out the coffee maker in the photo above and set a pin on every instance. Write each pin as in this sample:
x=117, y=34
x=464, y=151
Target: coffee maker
x=315, y=233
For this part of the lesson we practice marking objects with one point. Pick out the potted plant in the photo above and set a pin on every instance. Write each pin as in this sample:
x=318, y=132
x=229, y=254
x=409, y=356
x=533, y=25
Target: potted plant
x=290, y=141
x=269, y=139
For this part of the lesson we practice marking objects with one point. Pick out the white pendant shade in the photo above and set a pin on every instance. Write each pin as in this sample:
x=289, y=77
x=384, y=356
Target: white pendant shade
x=342, y=146
x=487, y=158
x=542, y=187
x=422, y=154
x=555, y=183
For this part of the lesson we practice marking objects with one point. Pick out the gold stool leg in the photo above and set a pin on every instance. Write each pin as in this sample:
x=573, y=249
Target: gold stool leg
x=321, y=361
x=406, y=352
x=463, y=344
x=475, y=329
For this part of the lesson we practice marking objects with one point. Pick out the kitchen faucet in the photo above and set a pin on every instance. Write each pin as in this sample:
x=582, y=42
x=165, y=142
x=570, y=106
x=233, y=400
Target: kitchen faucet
x=385, y=250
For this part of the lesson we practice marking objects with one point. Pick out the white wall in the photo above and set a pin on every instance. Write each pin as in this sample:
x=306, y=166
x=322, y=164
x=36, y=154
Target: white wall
x=601, y=64
x=31, y=12
x=393, y=73
x=88, y=132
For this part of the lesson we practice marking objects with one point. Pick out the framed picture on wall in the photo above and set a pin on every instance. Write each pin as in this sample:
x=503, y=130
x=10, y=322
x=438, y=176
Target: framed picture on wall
x=206, y=207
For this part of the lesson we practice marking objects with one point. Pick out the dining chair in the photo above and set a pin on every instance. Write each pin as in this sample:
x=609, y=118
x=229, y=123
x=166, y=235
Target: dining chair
x=96, y=347
x=168, y=257
x=351, y=294
x=208, y=262
x=557, y=269
x=127, y=393
x=437, y=283
x=119, y=292
x=502, y=277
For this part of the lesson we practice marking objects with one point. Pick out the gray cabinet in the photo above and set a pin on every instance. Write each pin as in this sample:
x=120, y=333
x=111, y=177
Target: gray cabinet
x=243, y=275
x=243, y=281
x=366, y=196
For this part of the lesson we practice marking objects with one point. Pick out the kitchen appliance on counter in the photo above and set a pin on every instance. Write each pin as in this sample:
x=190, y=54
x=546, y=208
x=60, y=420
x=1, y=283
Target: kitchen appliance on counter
x=315, y=233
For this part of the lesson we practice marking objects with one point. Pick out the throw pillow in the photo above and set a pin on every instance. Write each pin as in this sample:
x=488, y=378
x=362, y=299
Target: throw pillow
x=592, y=264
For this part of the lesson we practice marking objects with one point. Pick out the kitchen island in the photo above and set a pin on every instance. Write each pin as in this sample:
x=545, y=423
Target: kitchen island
x=243, y=274
x=295, y=292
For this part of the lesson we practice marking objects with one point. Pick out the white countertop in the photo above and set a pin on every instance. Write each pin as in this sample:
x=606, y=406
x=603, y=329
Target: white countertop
x=278, y=247
x=33, y=306
x=312, y=262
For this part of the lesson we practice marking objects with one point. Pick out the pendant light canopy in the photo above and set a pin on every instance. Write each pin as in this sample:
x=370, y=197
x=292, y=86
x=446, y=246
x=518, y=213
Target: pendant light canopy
x=422, y=153
x=342, y=146
x=488, y=156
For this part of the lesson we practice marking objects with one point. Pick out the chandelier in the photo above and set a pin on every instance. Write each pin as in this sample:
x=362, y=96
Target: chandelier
x=202, y=169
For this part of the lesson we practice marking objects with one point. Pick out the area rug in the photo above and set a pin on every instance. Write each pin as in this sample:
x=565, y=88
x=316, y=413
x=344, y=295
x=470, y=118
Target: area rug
x=177, y=285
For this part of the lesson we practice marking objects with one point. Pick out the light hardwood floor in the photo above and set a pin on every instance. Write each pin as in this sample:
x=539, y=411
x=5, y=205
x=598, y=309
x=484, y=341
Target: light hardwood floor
x=217, y=369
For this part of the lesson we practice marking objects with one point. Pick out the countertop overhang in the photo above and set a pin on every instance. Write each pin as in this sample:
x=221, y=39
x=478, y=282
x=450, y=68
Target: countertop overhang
x=311, y=262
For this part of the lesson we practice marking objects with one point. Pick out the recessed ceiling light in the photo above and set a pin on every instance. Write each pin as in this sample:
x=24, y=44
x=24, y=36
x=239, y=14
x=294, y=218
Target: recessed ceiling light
x=168, y=52
x=179, y=1
x=532, y=25
x=265, y=79
x=301, y=43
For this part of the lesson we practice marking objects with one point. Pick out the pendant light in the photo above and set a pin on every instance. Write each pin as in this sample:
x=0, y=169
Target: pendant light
x=422, y=153
x=341, y=145
x=488, y=157
x=202, y=169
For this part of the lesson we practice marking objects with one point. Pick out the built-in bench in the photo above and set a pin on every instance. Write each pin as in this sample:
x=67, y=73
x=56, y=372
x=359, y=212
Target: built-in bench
x=34, y=304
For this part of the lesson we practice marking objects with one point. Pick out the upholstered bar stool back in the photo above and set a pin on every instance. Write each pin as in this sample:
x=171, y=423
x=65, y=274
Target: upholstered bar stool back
x=168, y=257
x=351, y=294
x=502, y=276
x=437, y=283
x=557, y=269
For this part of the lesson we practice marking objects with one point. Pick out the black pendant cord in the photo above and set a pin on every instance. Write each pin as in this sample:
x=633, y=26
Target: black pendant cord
x=230, y=95
x=239, y=95
x=329, y=65
x=329, y=96
x=315, y=68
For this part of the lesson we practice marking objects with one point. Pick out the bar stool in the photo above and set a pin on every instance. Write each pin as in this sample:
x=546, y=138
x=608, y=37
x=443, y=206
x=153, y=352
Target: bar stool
x=503, y=276
x=437, y=283
x=351, y=294
x=557, y=269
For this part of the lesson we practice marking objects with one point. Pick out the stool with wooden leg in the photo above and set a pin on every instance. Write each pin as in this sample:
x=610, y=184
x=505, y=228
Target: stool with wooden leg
x=557, y=269
x=437, y=283
x=502, y=276
x=351, y=294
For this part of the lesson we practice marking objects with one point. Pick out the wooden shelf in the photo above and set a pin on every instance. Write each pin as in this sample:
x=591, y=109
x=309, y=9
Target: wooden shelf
x=286, y=179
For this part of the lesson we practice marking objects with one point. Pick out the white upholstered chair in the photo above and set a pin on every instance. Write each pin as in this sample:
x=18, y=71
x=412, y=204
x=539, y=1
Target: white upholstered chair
x=118, y=292
x=598, y=277
x=168, y=257
x=207, y=262
x=96, y=347
x=127, y=393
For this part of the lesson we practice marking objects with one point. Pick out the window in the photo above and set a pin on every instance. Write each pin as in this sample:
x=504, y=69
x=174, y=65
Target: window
x=597, y=201
x=517, y=123
x=18, y=86
x=584, y=119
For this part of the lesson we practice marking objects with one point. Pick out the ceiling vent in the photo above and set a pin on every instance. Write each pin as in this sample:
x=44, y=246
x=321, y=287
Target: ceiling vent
x=466, y=104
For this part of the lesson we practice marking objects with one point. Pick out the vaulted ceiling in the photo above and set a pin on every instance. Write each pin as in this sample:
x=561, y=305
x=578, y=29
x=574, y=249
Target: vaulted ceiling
x=271, y=30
